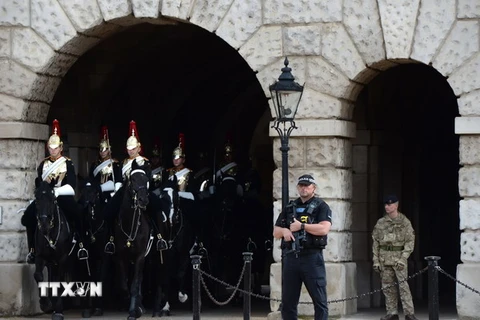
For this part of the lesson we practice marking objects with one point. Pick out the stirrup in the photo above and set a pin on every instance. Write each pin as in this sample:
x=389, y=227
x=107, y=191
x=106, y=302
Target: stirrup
x=161, y=243
x=30, y=259
x=110, y=246
x=82, y=253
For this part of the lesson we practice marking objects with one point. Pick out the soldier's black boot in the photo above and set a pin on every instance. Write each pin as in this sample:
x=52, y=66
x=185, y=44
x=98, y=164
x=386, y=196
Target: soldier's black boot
x=110, y=246
x=390, y=317
x=31, y=245
x=410, y=317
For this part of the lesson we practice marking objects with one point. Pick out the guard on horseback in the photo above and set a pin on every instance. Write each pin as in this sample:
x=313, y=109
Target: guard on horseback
x=157, y=168
x=106, y=174
x=154, y=208
x=183, y=215
x=58, y=171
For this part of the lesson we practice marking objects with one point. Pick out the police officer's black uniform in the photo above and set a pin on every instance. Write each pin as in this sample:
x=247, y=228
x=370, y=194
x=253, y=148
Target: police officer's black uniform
x=303, y=262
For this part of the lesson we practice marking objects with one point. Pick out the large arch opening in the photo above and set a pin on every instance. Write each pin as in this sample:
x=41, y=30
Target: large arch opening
x=170, y=79
x=406, y=144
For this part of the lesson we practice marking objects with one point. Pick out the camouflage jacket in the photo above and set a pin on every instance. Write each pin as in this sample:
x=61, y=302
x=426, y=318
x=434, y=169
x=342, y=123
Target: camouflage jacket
x=391, y=233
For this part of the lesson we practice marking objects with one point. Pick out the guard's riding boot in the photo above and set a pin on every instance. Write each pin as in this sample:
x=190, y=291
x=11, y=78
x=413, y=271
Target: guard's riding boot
x=110, y=246
x=390, y=317
x=31, y=246
x=410, y=317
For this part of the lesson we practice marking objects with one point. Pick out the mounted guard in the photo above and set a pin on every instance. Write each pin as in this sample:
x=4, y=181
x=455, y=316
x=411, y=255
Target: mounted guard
x=59, y=172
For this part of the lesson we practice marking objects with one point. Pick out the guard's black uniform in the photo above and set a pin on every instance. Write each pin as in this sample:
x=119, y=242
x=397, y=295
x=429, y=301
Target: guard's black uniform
x=305, y=265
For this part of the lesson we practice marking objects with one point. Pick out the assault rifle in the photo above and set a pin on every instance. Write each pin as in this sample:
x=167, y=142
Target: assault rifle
x=300, y=236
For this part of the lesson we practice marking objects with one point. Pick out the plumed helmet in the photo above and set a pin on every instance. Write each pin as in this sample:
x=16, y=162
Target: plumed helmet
x=228, y=148
x=104, y=144
x=179, y=152
x=55, y=141
x=133, y=140
x=156, y=151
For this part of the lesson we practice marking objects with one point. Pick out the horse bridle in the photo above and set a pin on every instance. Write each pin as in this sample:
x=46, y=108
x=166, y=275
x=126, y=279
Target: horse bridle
x=91, y=210
x=52, y=243
x=137, y=212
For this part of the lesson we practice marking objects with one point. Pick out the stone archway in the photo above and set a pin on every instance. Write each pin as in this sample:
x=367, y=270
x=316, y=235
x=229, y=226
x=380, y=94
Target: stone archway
x=329, y=44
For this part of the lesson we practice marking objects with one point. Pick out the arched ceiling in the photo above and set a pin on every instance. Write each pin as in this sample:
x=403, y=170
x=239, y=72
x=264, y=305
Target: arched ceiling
x=169, y=79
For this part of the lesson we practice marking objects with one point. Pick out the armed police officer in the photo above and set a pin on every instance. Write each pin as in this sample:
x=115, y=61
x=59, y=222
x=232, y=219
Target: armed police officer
x=59, y=171
x=393, y=242
x=303, y=227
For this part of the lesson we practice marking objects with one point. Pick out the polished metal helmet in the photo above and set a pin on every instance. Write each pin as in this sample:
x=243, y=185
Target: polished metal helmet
x=104, y=144
x=179, y=152
x=133, y=140
x=55, y=141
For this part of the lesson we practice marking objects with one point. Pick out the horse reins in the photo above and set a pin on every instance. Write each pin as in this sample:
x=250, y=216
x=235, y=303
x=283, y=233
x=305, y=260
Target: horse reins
x=136, y=208
x=51, y=243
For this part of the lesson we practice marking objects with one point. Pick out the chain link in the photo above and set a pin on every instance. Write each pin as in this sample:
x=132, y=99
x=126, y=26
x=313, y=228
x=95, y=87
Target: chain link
x=458, y=281
x=237, y=289
x=210, y=295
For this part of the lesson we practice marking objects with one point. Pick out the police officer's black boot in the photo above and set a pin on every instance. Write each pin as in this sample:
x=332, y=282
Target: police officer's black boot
x=31, y=245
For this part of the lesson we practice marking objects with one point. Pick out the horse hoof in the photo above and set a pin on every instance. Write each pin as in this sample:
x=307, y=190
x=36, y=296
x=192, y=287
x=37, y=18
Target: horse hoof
x=97, y=312
x=86, y=313
x=139, y=312
x=164, y=313
x=57, y=316
x=46, y=305
x=131, y=318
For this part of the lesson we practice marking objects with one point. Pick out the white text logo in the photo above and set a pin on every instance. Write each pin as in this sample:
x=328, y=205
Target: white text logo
x=70, y=289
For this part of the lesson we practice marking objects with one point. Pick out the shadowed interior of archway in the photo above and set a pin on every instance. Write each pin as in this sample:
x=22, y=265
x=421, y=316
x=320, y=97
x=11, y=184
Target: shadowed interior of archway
x=408, y=115
x=170, y=79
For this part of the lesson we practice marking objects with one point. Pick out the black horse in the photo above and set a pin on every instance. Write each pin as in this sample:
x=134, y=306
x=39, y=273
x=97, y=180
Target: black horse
x=132, y=236
x=52, y=244
x=96, y=269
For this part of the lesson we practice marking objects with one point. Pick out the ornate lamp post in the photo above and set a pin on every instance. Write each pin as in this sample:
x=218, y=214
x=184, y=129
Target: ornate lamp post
x=286, y=95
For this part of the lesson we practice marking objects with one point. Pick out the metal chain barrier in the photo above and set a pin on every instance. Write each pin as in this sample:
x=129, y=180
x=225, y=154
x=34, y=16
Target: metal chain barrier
x=237, y=289
x=457, y=281
x=210, y=295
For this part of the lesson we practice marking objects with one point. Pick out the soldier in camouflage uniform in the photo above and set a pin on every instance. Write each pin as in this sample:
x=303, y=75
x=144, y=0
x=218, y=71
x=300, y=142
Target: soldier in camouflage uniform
x=393, y=242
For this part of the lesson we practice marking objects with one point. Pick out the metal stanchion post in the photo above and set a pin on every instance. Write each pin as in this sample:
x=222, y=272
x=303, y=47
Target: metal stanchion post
x=433, y=303
x=247, y=285
x=196, y=260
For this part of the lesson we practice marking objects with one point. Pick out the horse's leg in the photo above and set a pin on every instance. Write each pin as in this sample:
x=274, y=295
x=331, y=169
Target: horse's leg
x=136, y=309
x=58, y=275
x=123, y=280
x=45, y=302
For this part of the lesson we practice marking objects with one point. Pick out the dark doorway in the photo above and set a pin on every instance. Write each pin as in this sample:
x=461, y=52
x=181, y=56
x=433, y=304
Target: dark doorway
x=410, y=111
x=171, y=79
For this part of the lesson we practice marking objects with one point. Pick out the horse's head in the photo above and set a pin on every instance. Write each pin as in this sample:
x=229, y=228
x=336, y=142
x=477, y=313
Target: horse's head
x=229, y=192
x=46, y=206
x=90, y=196
x=139, y=183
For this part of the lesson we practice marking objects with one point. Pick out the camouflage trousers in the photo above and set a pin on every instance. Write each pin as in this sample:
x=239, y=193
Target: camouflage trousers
x=389, y=275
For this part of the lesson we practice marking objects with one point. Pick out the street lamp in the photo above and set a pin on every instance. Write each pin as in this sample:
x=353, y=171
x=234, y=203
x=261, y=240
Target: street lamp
x=286, y=95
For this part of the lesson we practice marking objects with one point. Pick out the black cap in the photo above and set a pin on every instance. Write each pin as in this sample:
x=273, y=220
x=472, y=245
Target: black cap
x=391, y=198
x=306, y=179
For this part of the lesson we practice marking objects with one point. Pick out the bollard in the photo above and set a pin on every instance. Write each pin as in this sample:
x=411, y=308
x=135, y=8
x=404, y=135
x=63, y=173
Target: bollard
x=196, y=260
x=247, y=285
x=433, y=303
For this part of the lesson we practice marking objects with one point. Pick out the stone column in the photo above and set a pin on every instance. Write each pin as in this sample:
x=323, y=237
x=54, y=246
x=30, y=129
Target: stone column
x=322, y=148
x=469, y=189
x=22, y=146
